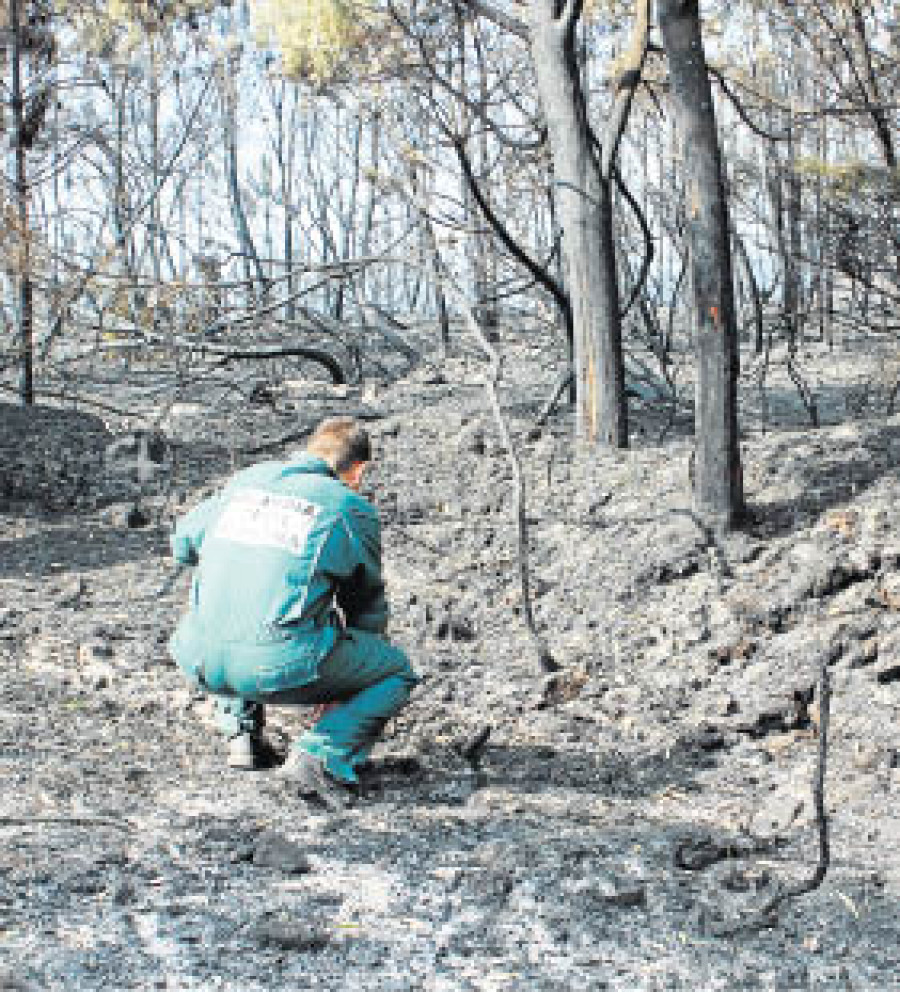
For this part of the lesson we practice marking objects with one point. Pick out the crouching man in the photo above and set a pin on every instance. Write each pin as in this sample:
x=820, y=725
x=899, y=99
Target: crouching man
x=288, y=606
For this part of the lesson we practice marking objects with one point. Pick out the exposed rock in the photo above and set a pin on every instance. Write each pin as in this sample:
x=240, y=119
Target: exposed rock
x=783, y=810
x=289, y=935
x=863, y=653
x=136, y=517
x=706, y=737
x=472, y=745
x=10, y=982
x=94, y=650
x=71, y=592
x=454, y=626
x=888, y=674
x=628, y=896
x=888, y=591
x=97, y=676
x=124, y=893
x=272, y=850
x=676, y=549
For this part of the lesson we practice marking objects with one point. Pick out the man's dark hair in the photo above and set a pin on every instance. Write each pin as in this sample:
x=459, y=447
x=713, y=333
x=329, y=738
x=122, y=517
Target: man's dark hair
x=341, y=441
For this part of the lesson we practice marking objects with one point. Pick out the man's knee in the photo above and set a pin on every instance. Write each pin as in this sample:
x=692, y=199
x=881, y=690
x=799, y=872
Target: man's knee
x=377, y=649
x=404, y=670
x=404, y=679
x=410, y=676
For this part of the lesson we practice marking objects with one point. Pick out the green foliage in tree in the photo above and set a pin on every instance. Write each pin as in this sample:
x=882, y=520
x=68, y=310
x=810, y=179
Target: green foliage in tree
x=313, y=36
x=850, y=176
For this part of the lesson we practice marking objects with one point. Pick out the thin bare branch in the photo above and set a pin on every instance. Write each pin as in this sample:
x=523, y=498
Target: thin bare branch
x=626, y=85
x=500, y=17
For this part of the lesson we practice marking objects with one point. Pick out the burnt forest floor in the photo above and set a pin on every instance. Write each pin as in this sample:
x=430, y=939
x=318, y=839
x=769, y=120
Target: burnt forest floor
x=625, y=810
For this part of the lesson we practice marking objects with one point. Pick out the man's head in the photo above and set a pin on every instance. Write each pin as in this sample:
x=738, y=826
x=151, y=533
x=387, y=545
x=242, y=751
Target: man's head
x=345, y=444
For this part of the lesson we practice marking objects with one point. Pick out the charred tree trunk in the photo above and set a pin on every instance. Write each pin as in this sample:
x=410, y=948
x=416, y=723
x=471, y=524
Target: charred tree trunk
x=718, y=483
x=584, y=200
x=22, y=263
x=284, y=158
x=486, y=261
x=249, y=255
x=793, y=241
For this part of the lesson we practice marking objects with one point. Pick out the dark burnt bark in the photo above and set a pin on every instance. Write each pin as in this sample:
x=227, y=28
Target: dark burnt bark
x=718, y=483
x=22, y=260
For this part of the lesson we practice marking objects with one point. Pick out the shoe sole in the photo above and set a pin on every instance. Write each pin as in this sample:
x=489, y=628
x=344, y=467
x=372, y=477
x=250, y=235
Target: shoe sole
x=312, y=784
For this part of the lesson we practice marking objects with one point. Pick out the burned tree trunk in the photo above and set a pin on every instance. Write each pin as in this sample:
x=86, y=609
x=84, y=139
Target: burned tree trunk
x=584, y=199
x=22, y=261
x=718, y=482
x=249, y=255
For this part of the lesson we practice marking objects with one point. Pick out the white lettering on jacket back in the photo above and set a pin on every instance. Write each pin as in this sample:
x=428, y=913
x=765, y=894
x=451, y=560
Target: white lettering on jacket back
x=273, y=520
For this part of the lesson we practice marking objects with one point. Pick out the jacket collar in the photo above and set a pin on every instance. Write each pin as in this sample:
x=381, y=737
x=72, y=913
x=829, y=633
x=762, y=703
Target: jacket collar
x=300, y=461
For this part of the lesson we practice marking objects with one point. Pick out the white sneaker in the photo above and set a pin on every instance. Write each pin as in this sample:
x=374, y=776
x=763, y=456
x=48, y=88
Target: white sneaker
x=242, y=751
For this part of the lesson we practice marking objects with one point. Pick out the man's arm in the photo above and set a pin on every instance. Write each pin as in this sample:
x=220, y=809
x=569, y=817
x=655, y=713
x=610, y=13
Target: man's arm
x=374, y=615
x=361, y=592
x=191, y=529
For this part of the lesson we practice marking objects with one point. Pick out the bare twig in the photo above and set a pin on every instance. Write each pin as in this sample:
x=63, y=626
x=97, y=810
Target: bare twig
x=809, y=401
x=761, y=385
x=77, y=398
x=539, y=273
x=892, y=396
x=627, y=83
x=755, y=298
x=63, y=821
x=764, y=915
x=647, y=257
x=547, y=410
x=546, y=661
x=442, y=274
x=741, y=110
x=228, y=355
x=499, y=16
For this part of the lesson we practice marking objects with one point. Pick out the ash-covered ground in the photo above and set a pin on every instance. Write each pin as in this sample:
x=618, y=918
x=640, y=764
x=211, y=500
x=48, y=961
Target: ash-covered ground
x=625, y=810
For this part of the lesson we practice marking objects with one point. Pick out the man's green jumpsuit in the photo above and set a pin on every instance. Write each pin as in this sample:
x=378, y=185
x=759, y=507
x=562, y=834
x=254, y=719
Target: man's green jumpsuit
x=276, y=551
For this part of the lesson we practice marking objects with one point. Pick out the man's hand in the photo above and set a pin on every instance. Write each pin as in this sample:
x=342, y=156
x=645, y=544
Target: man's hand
x=341, y=616
x=169, y=584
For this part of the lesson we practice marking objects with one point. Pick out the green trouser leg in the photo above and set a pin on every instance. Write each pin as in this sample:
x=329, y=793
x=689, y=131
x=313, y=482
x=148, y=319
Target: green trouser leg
x=373, y=679
x=236, y=716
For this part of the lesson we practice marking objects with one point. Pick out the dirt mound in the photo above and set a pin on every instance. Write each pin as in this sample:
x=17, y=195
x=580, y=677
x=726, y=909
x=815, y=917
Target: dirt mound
x=49, y=455
x=54, y=458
